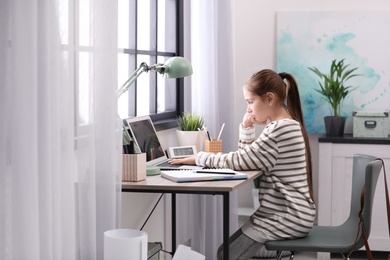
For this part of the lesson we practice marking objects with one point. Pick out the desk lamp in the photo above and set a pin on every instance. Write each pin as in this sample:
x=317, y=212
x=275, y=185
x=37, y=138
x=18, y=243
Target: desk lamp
x=175, y=67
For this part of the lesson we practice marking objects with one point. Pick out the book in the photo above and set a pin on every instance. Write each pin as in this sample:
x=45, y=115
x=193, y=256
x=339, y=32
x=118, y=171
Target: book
x=192, y=176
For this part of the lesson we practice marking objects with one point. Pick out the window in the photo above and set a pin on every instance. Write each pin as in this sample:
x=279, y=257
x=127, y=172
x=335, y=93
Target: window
x=149, y=31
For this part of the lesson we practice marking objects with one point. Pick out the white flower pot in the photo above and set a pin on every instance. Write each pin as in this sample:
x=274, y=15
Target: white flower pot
x=186, y=138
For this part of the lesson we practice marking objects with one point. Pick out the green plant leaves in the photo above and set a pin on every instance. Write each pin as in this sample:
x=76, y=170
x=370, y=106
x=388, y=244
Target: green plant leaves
x=188, y=122
x=333, y=85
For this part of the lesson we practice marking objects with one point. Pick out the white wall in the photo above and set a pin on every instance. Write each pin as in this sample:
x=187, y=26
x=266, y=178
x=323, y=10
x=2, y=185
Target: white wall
x=254, y=49
x=255, y=46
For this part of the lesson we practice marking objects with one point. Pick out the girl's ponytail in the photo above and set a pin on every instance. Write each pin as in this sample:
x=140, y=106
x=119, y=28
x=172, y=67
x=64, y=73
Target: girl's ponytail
x=295, y=108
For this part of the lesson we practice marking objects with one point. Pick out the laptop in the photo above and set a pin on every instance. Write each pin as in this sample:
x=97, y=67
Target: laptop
x=146, y=141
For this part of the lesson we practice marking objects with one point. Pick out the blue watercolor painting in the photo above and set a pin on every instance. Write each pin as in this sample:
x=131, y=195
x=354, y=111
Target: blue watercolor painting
x=314, y=39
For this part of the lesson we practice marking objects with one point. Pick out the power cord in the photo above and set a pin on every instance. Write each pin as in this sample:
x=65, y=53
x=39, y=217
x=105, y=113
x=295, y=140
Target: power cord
x=152, y=211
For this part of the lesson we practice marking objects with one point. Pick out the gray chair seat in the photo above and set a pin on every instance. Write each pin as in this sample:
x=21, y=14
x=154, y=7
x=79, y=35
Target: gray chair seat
x=320, y=239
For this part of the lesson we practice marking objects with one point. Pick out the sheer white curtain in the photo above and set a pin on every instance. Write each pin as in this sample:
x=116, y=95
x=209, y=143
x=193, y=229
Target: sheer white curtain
x=212, y=95
x=59, y=186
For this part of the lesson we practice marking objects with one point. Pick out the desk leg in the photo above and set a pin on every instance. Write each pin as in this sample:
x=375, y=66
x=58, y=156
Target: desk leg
x=226, y=224
x=173, y=209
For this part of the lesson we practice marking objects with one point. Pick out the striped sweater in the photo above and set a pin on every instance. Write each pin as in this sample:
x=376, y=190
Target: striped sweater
x=286, y=209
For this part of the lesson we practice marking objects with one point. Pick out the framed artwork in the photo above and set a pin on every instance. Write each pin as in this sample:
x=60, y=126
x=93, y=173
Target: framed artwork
x=314, y=39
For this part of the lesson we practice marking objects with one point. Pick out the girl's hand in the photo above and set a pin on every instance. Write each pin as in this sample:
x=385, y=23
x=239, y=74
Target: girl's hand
x=188, y=160
x=249, y=121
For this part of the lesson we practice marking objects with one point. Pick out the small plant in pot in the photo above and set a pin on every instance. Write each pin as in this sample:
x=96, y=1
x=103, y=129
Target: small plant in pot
x=333, y=87
x=188, y=122
x=188, y=132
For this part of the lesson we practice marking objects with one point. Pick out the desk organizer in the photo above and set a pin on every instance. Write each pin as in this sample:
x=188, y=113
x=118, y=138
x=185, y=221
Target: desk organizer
x=213, y=146
x=134, y=167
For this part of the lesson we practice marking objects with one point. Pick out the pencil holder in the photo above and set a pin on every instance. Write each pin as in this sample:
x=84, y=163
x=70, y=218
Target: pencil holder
x=213, y=146
x=134, y=167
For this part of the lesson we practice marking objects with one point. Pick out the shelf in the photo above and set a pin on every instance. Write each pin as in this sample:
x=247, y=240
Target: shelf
x=349, y=139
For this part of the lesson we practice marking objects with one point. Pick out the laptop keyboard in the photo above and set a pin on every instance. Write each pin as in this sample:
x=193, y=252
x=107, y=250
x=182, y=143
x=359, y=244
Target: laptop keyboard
x=167, y=164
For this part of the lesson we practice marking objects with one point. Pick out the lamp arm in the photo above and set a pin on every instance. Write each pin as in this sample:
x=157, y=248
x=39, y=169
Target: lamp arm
x=142, y=68
x=160, y=68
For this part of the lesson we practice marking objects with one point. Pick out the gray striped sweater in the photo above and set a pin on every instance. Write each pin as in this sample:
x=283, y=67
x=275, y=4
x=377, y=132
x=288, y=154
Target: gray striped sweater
x=286, y=209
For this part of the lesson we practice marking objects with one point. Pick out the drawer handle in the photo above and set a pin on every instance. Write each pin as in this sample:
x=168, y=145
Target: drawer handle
x=370, y=124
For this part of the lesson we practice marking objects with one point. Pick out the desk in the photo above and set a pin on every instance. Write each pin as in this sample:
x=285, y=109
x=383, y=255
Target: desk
x=157, y=184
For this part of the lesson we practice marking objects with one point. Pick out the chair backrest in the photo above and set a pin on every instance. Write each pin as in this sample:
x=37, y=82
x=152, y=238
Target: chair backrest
x=365, y=172
x=373, y=170
x=360, y=162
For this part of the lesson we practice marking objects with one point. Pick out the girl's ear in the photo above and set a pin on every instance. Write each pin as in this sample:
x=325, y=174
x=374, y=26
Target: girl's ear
x=270, y=97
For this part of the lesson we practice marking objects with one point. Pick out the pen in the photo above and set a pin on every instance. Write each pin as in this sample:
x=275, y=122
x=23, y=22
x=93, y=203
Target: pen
x=220, y=132
x=216, y=171
x=204, y=132
x=208, y=134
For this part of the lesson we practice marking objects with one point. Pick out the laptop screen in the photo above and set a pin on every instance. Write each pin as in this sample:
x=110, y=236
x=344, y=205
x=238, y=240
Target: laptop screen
x=145, y=137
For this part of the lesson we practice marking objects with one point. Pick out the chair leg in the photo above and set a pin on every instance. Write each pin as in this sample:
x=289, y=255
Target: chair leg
x=345, y=257
x=292, y=255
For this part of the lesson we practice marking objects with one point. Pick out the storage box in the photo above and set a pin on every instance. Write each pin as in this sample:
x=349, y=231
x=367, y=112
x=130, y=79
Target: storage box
x=134, y=167
x=374, y=124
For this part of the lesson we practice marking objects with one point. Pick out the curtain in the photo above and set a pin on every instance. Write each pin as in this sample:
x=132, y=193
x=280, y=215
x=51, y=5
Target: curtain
x=59, y=180
x=212, y=95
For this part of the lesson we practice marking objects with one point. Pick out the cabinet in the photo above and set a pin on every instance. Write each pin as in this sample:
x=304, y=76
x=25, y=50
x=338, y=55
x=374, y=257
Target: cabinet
x=335, y=178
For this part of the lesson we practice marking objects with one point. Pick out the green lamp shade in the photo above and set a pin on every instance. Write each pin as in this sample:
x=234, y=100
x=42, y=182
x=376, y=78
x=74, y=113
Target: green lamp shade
x=177, y=67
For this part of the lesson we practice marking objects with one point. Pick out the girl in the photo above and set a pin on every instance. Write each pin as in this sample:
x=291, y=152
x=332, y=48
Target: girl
x=282, y=152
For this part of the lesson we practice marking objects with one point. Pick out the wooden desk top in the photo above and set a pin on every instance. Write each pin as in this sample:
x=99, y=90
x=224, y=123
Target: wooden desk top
x=158, y=183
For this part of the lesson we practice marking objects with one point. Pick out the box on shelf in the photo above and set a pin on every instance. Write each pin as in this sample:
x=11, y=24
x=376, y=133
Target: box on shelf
x=374, y=124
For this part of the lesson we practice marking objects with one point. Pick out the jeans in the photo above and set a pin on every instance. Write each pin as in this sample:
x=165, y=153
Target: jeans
x=241, y=247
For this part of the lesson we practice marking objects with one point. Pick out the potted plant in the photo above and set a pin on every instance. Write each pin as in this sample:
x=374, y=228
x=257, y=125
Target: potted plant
x=333, y=87
x=188, y=132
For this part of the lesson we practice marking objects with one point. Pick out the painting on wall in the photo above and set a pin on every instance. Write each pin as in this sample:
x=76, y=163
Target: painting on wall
x=314, y=39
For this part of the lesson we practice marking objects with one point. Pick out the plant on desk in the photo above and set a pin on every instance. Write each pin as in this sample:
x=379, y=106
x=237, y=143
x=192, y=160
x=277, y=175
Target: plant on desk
x=188, y=132
x=188, y=122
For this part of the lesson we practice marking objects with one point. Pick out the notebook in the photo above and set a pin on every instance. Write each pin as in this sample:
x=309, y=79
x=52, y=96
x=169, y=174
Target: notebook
x=193, y=175
x=146, y=141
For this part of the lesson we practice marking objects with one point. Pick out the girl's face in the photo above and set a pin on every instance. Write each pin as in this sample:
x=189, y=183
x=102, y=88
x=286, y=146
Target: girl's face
x=257, y=107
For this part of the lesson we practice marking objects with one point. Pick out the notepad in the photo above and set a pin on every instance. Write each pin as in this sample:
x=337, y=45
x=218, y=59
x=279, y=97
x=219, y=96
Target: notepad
x=191, y=176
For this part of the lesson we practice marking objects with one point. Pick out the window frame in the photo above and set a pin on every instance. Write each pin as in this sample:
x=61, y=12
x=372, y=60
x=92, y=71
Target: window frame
x=163, y=120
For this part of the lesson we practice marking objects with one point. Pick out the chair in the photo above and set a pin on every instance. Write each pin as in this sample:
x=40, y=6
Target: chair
x=340, y=239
